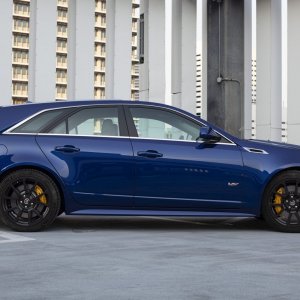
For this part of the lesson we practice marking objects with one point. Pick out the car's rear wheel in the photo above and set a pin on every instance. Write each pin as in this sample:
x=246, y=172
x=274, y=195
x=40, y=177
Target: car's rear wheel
x=30, y=200
x=281, y=203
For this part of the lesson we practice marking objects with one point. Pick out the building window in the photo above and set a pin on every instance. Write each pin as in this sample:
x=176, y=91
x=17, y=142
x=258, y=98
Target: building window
x=61, y=46
x=63, y=3
x=99, y=93
x=20, y=9
x=21, y=41
x=21, y=25
x=20, y=57
x=62, y=30
x=61, y=76
x=20, y=89
x=20, y=73
x=100, y=5
x=61, y=92
x=61, y=61
x=62, y=15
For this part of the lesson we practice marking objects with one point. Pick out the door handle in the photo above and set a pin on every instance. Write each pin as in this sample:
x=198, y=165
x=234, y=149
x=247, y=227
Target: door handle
x=150, y=153
x=67, y=148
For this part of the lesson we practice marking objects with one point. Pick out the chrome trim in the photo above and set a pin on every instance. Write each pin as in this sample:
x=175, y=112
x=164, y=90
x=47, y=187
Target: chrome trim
x=167, y=198
x=112, y=136
x=82, y=135
x=255, y=150
x=186, y=141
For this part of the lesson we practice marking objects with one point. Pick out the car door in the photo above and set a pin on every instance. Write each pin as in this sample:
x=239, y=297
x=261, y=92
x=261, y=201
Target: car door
x=92, y=153
x=174, y=171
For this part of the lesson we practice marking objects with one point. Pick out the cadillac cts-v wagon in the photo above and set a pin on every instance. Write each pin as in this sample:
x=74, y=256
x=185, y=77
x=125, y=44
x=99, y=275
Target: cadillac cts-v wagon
x=138, y=158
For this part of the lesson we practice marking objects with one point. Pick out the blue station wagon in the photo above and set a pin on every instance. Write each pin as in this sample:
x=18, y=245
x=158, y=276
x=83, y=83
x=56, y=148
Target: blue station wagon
x=138, y=158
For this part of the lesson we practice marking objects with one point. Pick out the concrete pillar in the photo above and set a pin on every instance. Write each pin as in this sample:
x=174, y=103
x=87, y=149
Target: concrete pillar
x=152, y=70
x=293, y=67
x=248, y=46
x=42, y=50
x=176, y=47
x=201, y=48
x=226, y=64
x=184, y=54
x=118, y=49
x=6, y=50
x=81, y=49
x=168, y=51
x=269, y=70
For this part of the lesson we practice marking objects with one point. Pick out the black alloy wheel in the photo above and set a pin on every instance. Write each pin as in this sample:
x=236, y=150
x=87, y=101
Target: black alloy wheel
x=281, y=203
x=30, y=200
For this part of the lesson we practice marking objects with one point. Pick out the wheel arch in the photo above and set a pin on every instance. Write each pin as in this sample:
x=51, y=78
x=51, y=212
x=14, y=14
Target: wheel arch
x=271, y=177
x=279, y=172
x=42, y=170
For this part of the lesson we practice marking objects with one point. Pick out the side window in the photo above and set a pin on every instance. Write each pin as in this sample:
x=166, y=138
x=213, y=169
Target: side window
x=161, y=124
x=101, y=121
x=35, y=124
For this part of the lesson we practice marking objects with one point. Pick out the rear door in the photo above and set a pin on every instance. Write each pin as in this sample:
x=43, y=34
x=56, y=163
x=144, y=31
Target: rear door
x=92, y=153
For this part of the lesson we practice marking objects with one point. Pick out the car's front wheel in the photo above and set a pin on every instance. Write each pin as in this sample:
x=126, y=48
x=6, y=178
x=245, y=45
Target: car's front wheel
x=29, y=200
x=281, y=202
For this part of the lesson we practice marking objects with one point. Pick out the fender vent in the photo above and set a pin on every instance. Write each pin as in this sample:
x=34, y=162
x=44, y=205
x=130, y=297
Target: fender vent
x=255, y=150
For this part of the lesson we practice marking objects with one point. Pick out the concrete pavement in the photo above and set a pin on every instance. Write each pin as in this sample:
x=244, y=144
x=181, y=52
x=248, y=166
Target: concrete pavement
x=150, y=258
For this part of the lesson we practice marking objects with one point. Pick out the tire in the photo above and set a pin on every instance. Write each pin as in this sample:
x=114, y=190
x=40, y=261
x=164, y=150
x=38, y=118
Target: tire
x=281, y=202
x=29, y=200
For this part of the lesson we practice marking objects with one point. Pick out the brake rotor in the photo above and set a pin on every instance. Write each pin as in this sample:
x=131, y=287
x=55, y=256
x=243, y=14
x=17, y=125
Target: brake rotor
x=278, y=200
x=39, y=191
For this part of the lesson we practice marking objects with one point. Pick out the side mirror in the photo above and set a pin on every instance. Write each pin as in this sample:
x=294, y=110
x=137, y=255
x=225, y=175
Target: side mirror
x=208, y=135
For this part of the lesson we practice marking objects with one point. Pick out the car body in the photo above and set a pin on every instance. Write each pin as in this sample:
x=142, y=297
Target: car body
x=137, y=158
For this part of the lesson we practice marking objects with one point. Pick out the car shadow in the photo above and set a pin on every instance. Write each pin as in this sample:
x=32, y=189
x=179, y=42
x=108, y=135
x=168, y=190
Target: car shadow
x=117, y=223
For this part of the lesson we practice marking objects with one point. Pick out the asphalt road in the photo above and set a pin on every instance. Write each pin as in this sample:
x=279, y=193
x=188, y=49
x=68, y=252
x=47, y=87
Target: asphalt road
x=150, y=258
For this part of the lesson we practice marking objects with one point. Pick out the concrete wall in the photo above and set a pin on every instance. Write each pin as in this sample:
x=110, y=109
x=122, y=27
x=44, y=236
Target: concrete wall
x=118, y=49
x=81, y=22
x=184, y=54
x=248, y=47
x=201, y=48
x=152, y=79
x=42, y=44
x=168, y=73
x=293, y=65
x=269, y=70
x=6, y=52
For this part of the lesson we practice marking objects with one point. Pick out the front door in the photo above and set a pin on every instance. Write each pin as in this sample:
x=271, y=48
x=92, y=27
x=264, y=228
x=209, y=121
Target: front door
x=173, y=171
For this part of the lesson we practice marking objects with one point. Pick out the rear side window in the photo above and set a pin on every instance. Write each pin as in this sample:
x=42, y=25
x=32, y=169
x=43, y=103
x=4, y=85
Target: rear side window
x=37, y=123
x=102, y=121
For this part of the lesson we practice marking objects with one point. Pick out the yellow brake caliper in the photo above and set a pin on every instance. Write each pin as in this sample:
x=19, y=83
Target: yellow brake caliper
x=39, y=191
x=278, y=200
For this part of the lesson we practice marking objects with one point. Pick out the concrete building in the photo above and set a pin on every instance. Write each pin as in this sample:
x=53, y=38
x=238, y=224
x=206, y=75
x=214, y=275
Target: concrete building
x=235, y=63
x=68, y=49
x=232, y=62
